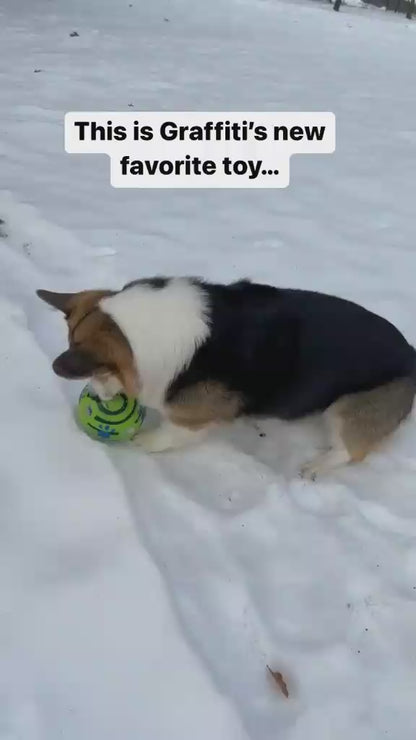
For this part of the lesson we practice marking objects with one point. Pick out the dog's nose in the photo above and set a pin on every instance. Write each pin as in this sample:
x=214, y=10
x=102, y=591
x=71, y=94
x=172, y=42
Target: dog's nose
x=57, y=367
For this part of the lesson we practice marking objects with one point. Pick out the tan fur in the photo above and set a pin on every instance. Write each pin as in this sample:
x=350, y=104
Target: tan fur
x=203, y=404
x=99, y=335
x=367, y=417
x=94, y=332
x=79, y=304
x=359, y=422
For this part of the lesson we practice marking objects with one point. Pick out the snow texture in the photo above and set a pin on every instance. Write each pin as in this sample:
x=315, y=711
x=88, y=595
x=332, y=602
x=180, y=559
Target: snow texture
x=143, y=597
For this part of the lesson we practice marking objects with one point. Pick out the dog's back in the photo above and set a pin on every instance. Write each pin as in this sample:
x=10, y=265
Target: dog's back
x=291, y=352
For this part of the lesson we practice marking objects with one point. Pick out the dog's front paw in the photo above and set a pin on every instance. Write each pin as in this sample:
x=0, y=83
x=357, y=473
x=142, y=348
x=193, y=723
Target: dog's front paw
x=152, y=441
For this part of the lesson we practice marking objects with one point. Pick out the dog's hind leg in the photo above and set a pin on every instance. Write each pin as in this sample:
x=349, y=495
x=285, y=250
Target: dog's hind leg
x=360, y=421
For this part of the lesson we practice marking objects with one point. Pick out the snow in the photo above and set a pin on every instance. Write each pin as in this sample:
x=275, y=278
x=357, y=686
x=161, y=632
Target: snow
x=143, y=597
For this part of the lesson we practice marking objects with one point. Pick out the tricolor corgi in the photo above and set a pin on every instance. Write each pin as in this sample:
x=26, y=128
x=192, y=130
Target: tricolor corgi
x=203, y=354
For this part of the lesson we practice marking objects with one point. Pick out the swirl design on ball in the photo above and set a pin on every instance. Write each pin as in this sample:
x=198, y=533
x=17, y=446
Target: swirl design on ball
x=116, y=420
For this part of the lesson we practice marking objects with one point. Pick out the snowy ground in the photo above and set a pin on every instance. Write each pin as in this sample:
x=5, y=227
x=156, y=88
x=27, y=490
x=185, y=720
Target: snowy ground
x=142, y=597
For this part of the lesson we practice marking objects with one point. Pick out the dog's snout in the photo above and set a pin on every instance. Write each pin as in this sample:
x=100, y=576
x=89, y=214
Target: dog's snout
x=58, y=367
x=75, y=363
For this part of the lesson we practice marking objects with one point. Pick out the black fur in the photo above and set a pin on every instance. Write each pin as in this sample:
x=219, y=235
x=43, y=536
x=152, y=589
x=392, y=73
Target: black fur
x=292, y=352
x=156, y=283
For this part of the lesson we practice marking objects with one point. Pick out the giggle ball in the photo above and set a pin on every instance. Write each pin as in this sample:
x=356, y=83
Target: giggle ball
x=117, y=420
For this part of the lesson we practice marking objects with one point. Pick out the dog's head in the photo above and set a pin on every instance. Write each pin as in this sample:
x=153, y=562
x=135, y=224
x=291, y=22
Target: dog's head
x=97, y=347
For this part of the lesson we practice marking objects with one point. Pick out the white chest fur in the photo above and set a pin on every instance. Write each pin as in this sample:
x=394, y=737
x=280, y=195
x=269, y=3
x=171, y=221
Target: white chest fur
x=164, y=327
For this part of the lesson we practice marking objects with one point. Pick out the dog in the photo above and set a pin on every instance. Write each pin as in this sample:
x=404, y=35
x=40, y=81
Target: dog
x=203, y=354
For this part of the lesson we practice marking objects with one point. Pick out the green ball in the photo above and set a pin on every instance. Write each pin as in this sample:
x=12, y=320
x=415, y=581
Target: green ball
x=117, y=420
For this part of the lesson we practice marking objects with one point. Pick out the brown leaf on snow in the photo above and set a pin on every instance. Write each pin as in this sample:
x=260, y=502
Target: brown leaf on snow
x=279, y=681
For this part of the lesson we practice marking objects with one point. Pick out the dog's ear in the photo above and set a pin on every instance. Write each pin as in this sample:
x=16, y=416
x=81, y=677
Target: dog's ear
x=57, y=300
x=75, y=363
